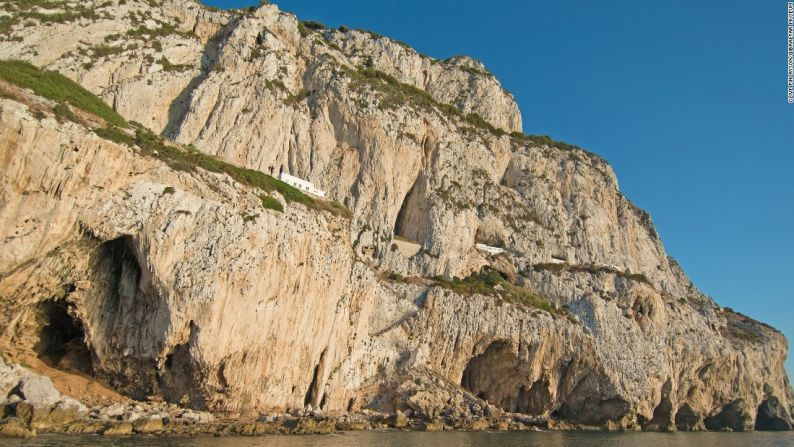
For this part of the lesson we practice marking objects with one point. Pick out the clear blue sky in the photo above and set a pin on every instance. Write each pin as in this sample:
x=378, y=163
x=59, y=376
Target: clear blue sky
x=686, y=99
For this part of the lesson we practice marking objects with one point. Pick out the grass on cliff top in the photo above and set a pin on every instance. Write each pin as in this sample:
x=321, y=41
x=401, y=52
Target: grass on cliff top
x=494, y=283
x=593, y=269
x=188, y=159
x=742, y=327
x=24, y=10
x=271, y=203
x=57, y=87
x=396, y=94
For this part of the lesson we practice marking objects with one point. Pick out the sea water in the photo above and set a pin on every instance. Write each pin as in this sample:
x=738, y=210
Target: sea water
x=434, y=439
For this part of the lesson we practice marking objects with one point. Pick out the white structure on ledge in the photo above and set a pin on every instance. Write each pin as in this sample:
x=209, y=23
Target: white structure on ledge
x=489, y=249
x=302, y=185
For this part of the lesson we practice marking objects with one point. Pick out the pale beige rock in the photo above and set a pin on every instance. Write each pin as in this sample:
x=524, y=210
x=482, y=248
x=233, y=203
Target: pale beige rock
x=181, y=296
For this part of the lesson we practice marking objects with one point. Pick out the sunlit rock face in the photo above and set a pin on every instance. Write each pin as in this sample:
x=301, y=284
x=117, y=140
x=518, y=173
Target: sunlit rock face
x=179, y=284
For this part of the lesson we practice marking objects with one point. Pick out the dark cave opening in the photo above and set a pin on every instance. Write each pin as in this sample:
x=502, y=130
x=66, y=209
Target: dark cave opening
x=309, y=397
x=314, y=395
x=405, y=226
x=176, y=380
x=61, y=342
x=731, y=416
x=686, y=418
x=500, y=378
x=772, y=416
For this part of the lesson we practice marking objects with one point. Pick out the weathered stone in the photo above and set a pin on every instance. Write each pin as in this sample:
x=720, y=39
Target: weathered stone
x=148, y=425
x=476, y=425
x=9, y=376
x=8, y=407
x=431, y=426
x=113, y=411
x=398, y=420
x=346, y=425
x=24, y=412
x=157, y=278
x=16, y=428
x=85, y=427
x=38, y=390
x=65, y=411
x=118, y=429
x=311, y=426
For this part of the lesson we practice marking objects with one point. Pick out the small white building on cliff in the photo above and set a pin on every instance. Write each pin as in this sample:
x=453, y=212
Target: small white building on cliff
x=301, y=184
x=490, y=250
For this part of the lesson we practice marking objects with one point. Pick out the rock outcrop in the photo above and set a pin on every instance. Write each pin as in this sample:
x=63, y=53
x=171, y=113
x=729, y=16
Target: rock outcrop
x=33, y=402
x=169, y=281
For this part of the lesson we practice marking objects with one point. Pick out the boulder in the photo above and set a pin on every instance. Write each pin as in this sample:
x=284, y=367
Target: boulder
x=434, y=425
x=85, y=427
x=67, y=410
x=16, y=428
x=9, y=376
x=113, y=411
x=8, y=407
x=38, y=390
x=148, y=425
x=398, y=420
x=24, y=411
x=120, y=429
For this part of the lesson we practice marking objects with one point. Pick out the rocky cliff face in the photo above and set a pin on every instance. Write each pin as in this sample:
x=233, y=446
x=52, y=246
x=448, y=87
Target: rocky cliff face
x=177, y=283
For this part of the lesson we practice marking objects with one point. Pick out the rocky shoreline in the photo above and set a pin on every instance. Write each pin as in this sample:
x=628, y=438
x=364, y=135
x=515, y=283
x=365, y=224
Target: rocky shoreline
x=34, y=406
x=189, y=423
x=460, y=271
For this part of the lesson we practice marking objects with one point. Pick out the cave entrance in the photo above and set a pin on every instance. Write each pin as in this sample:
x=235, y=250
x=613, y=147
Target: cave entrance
x=315, y=395
x=500, y=378
x=772, y=415
x=413, y=211
x=61, y=338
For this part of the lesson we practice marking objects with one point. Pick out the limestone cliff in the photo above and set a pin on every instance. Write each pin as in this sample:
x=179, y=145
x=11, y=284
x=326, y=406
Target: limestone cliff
x=177, y=283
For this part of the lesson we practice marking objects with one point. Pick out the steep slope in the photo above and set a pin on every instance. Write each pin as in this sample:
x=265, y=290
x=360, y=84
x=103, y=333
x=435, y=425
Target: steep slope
x=182, y=285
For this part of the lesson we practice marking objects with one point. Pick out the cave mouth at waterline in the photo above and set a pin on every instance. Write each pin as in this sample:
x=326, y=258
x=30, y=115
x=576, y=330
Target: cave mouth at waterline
x=61, y=337
x=500, y=378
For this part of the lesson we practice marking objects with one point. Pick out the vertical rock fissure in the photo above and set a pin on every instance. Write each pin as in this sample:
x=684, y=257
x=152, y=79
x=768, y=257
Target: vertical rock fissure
x=405, y=226
x=313, y=396
x=179, y=107
x=662, y=419
x=177, y=378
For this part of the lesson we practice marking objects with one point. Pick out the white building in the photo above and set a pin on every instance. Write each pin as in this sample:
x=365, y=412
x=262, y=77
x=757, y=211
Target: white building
x=302, y=185
x=489, y=249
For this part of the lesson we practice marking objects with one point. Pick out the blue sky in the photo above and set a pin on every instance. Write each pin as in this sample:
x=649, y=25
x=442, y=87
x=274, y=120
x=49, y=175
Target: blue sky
x=687, y=101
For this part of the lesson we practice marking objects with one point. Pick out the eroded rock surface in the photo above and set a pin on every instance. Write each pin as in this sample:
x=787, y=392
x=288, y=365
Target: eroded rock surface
x=178, y=284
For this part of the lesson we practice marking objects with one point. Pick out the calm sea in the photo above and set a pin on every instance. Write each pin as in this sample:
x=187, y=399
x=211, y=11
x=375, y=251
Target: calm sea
x=420, y=439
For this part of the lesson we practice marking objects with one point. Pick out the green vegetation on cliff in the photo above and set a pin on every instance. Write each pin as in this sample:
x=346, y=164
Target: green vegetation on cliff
x=593, y=269
x=494, y=283
x=57, y=87
x=394, y=94
x=271, y=203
